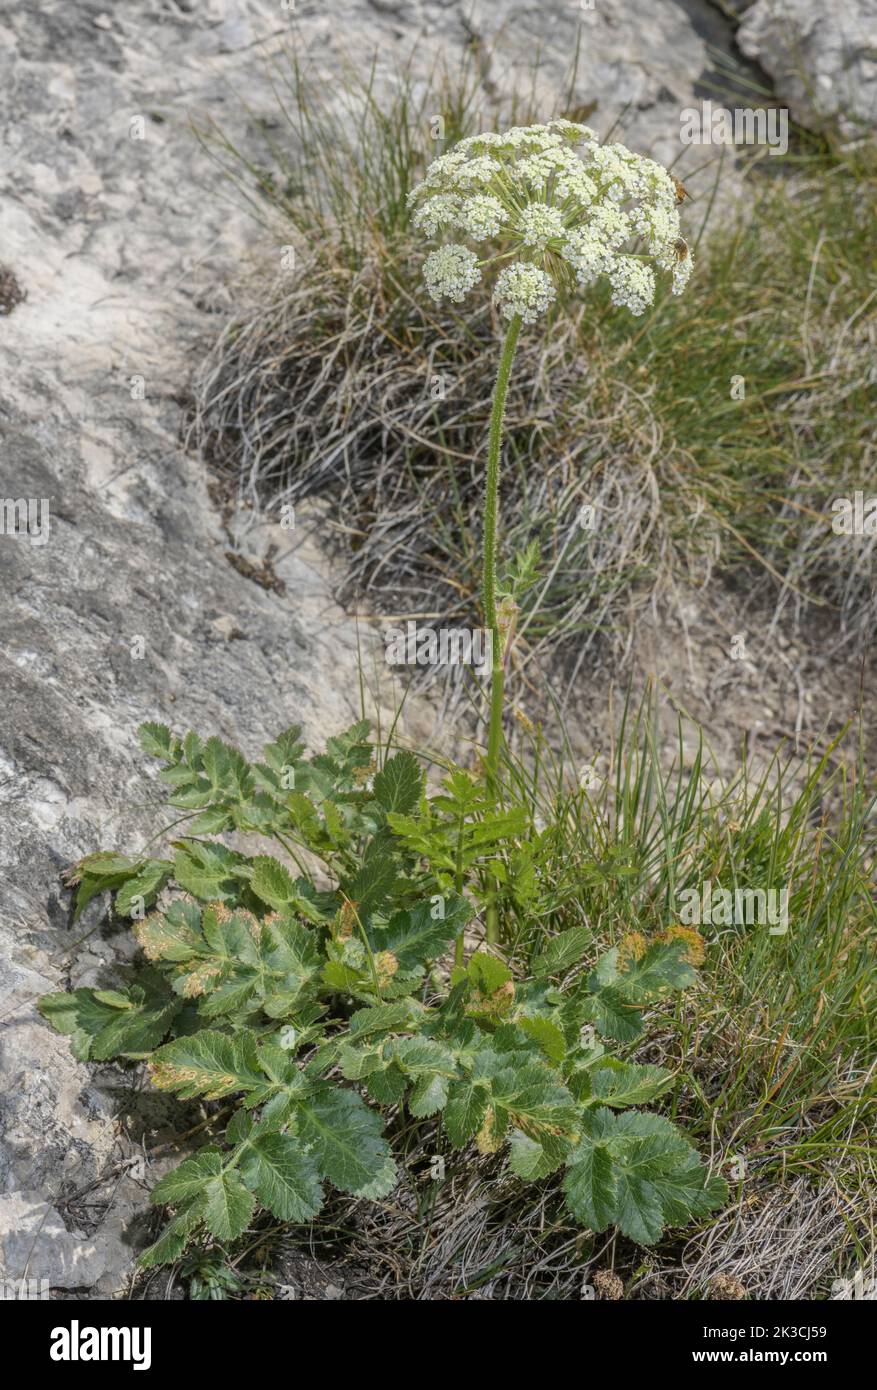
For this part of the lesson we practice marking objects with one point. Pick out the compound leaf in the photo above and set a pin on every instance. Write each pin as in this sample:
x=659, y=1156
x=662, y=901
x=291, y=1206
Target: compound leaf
x=283, y=1176
x=397, y=786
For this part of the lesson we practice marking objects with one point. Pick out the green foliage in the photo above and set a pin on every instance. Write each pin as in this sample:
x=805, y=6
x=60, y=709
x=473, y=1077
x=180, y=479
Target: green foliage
x=310, y=1012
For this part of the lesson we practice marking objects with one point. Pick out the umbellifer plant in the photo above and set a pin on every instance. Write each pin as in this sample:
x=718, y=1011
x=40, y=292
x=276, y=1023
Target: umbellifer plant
x=557, y=210
x=313, y=1010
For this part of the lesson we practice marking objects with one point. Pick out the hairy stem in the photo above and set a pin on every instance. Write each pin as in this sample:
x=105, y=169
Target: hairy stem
x=491, y=506
x=459, y=944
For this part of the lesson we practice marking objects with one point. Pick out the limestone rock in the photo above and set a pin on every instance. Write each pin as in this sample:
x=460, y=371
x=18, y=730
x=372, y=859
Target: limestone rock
x=823, y=59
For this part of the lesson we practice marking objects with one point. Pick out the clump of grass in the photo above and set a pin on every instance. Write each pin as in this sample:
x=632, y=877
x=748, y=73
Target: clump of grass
x=341, y=385
x=774, y=1054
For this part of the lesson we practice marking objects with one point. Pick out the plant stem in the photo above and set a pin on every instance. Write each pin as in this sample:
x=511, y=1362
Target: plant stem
x=491, y=506
x=459, y=944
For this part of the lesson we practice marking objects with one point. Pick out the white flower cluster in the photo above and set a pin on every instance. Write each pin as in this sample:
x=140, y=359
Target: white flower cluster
x=451, y=271
x=525, y=290
x=574, y=209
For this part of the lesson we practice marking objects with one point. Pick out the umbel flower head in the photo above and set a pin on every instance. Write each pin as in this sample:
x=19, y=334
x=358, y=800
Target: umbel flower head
x=561, y=208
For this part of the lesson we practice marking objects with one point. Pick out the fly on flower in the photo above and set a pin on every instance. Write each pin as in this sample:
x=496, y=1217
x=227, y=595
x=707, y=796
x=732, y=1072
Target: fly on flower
x=558, y=208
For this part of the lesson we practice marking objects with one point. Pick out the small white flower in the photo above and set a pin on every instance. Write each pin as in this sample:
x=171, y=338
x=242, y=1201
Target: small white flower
x=575, y=184
x=539, y=224
x=440, y=169
x=587, y=254
x=537, y=168
x=481, y=216
x=682, y=269
x=657, y=224
x=450, y=272
x=525, y=290
x=480, y=169
x=633, y=284
x=441, y=210
x=610, y=224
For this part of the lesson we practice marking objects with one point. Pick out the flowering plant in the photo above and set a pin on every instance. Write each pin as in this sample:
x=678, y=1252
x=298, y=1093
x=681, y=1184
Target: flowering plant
x=561, y=211
x=561, y=203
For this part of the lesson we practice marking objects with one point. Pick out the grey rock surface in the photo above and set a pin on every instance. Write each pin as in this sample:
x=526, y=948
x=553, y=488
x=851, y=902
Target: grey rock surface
x=126, y=608
x=822, y=58
x=33, y=1238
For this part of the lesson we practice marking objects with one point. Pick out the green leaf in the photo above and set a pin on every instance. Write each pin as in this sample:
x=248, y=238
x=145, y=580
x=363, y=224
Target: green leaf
x=620, y=1084
x=272, y=882
x=158, y=741
x=212, y=822
x=612, y=1014
x=229, y=1206
x=347, y=1141
x=547, y=1034
x=387, y=1084
x=283, y=1176
x=383, y=1019
x=100, y=1029
x=109, y=866
x=98, y=872
x=207, y=1064
x=561, y=952
x=590, y=1184
x=145, y=884
x=210, y=884
x=417, y=936
x=174, y=1238
x=487, y=973
x=429, y=1095
x=174, y=935
x=371, y=885
x=465, y=1111
x=188, y=1180
x=216, y=758
x=637, y=1172
x=533, y=1159
x=662, y=967
x=285, y=751
x=398, y=785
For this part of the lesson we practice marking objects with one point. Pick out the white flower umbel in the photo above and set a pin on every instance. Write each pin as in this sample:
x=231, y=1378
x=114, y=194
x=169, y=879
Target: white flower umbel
x=451, y=272
x=442, y=210
x=525, y=290
x=539, y=224
x=554, y=201
x=481, y=216
x=557, y=210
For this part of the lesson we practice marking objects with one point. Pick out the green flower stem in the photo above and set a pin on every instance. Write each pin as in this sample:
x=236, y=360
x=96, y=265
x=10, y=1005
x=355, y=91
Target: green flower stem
x=491, y=505
x=459, y=944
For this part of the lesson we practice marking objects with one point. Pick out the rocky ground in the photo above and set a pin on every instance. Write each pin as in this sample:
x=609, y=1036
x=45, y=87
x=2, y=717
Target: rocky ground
x=115, y=251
